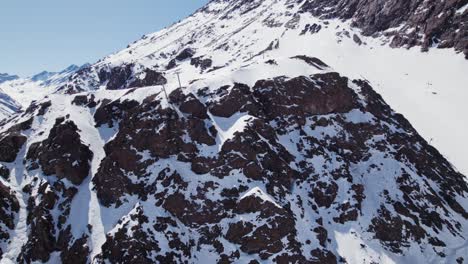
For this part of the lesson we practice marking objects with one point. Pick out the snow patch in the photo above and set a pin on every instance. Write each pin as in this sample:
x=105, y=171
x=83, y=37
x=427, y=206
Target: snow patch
x=257, y=192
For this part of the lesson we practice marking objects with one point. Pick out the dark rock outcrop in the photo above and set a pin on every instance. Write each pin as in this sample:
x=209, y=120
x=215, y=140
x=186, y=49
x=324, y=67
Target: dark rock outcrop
x=423, y=23
x=13, y=140
x=9, y=206
x=185, y=54
x=319, y=118
x=151, y=78
x=10, y=146
x=201, y=62
x=62, y=153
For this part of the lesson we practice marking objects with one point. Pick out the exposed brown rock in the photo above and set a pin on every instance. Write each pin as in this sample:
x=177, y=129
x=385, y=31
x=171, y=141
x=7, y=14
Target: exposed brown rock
x=9, y=205
x=325, y=193
x=239, y=100
x=62, y=153
x=151, y=78
x=10, y=146
x=424, y=23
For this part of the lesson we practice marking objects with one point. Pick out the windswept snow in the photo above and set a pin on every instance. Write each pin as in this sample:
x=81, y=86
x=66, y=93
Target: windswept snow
x=227, y=127
x=462, y=9
x=355, y=250
x=257, y=192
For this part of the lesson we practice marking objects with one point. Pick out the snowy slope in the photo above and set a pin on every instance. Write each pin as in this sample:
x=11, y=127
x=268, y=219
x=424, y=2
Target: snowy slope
x=8, y=106
x=218, y=163
x=423, y=86
x=268, y=154
x=36, y=87
x=4, y=77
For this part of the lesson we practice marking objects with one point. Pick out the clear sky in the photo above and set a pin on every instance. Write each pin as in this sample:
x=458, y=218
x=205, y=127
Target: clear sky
x=52, y=34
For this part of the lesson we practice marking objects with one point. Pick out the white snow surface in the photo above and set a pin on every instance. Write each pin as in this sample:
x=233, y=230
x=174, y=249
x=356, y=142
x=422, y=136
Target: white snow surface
x=429, y=89
x=26, y=90
x=258, y=192
x=462, y=9
x=8, y=105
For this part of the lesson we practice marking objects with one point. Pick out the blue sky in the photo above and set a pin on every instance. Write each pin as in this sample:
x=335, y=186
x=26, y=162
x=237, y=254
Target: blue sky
x=52, y=34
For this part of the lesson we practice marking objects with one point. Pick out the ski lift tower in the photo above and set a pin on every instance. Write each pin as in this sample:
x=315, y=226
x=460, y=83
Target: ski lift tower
x=178, y=72
x=164, y=88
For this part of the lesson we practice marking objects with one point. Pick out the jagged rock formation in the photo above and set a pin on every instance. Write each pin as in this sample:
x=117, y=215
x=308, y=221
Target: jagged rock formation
x=62, y=153
x=236, y=173
x=354, y=37
x=422, y=23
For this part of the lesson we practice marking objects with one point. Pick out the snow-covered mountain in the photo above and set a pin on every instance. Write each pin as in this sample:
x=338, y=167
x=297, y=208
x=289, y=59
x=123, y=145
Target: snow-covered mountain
x=48, y=78
x=225, y=35
x=8, y=106
x=276, y=148
x=5, y=77
x=22, y=91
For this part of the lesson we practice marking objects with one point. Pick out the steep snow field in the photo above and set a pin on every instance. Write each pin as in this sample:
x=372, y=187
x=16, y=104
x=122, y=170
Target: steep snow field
x=8, y=105
x=430, y=88
x=377, y=190
x=34, y=88
x=24, y=91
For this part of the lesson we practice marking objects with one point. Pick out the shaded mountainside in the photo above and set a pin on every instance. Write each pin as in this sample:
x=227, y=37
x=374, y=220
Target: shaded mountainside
x=5, y=77
x=442, y=24
x=275, y=150
x=315, y=168
x=407, y=23
x=8, y=106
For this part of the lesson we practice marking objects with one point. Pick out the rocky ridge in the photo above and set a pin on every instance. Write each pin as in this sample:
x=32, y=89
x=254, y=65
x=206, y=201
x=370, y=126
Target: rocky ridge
x=5, y=77
x=283, y=171
x=266, y=154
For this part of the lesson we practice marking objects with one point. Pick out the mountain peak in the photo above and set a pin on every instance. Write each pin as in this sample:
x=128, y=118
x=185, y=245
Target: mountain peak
x=42, y=76
x=4, y=77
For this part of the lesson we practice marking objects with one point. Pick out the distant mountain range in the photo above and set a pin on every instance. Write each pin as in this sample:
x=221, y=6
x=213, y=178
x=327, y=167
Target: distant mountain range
x=4, y=77
x=17, y=93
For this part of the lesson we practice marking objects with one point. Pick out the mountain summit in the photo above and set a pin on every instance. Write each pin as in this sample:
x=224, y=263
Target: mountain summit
x=5, y=77
x=249, y=132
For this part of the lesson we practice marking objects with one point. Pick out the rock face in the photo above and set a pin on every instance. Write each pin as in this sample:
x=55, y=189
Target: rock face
x=236, y=173
x=62, y=153
x=13, y=140
x=10, y=146
x=258, y=159
x=310, y=142
x=184, y=55
x=410, y=23
x=9, y=206
x=113, y=78
x=124, y=77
